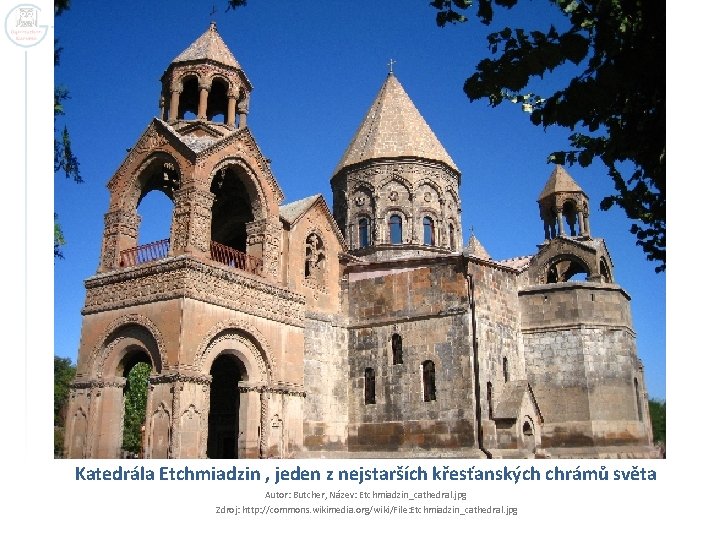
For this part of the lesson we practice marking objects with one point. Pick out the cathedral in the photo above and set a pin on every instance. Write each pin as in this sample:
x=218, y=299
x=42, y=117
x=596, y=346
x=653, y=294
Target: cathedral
x=362, y=329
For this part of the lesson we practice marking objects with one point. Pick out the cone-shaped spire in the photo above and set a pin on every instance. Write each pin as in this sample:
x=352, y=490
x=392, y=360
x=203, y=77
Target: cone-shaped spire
x=476, y=249
x=392, y=128
x=560, y=181
x=209, y=46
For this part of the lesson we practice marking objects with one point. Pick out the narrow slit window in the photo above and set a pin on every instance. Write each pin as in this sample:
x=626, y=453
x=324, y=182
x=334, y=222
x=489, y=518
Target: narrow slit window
x=363, y=233
x=397, y=352
x=428, y=231
x=491, y=413
x=369, y=386
x=428, y=375
x=395, y=225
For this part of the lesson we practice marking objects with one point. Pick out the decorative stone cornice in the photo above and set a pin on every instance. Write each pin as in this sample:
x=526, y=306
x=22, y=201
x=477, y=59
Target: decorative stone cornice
x=286, y=389
x=188, y=277
x=114, y=382
x=165, y=378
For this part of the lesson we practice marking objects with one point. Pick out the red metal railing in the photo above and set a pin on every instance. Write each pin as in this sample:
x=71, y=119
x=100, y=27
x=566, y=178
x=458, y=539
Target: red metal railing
x=218, y=252
x=235, y=259
x=145, y=253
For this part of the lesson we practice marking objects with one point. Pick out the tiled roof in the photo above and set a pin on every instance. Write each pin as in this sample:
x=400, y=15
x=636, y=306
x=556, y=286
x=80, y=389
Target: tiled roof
x=393, y=127
x=559, y=181
x=209, y=46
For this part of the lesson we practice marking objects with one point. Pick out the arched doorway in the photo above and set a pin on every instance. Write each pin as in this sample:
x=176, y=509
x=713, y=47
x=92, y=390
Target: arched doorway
x=224, y=417
x=136, y=366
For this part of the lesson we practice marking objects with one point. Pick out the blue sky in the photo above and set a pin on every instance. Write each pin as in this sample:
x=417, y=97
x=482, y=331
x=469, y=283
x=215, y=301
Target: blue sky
x=316, y=67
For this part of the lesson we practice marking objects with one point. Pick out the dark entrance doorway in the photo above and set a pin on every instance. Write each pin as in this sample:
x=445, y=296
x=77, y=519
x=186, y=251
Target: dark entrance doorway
x=223, y=420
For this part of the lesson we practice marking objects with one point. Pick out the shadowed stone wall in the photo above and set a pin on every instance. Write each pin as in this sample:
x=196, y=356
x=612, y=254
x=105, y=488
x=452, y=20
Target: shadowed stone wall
x=427, y=307
x=581, y=361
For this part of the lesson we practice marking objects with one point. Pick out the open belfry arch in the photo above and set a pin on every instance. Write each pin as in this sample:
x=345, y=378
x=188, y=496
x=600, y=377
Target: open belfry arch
x=363, y=328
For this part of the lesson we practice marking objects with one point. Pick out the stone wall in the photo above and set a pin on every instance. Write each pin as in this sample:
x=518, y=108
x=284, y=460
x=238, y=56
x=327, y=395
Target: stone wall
x=427, y=307
x=325, y=409
x=582, y=362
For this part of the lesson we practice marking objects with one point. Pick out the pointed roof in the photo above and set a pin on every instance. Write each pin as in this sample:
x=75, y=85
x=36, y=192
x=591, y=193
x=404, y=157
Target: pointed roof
x=291, y=212
x=393, y=127
x=209, y=46
x=475, y=248
x=560, y=181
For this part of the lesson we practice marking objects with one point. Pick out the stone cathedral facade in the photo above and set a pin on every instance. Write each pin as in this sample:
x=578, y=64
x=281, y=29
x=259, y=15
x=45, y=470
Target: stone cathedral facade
x=367, y=329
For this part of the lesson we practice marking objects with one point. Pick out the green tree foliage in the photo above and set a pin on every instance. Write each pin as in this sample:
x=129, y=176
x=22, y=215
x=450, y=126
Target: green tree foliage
x=614, y=103
x=657, y=417
x=135, y=402
x=65, y=158
x=64, y=374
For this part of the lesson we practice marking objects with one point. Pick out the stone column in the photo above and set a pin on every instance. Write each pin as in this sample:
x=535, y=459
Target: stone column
x=174, y=104
x=192, y=221
x=251, y=426
x=560, y=225
x=263, y=241
x=121, y=230
x=232, y=106
x=103, y=404
x=188, y=399
x=581, y=223
x=202, y=106
x=586, y=222
x=243, y=108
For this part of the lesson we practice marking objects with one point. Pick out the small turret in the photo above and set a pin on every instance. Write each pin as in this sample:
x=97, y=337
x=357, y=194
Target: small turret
x=563, y=202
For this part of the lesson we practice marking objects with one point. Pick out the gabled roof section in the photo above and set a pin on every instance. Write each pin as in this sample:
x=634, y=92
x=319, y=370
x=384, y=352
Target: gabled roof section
x=209, y=46
x=292, y=212
x=392, y=128
x=510, y=402
x=560, y=181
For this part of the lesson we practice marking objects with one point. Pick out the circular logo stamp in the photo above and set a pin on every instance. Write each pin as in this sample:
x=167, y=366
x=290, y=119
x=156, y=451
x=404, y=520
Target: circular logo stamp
x=22, y=25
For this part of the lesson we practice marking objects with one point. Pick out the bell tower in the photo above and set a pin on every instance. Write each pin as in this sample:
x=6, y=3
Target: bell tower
x=206, y=83
x=564, y=207
x=204, y=306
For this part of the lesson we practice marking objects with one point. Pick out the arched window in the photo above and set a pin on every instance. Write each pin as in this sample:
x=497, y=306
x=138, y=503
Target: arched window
x=363, y=233
x=189, y=98
x=428, y=377
x=396, y=342
x=395, y=226
x=570, y=214
x=217, y=103
x=369, y=386
x=428, y=231
x=314, y=258
x=451, y=237
x=506, y=372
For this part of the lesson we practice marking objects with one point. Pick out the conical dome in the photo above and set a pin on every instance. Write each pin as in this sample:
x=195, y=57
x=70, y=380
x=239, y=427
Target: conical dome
x=476, y=249
x=393, y=128
x=560, y=181
x=209, y=46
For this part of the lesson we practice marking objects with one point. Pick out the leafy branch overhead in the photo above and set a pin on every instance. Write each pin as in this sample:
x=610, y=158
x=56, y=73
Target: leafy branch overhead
x=65, y=158
x=614, y=103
